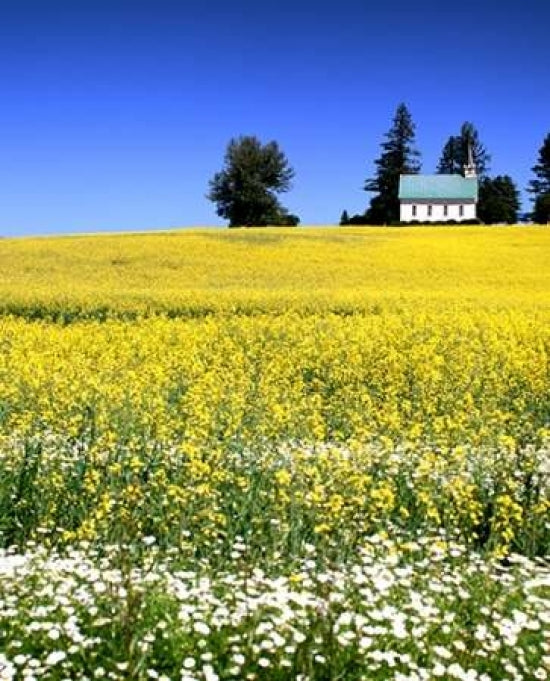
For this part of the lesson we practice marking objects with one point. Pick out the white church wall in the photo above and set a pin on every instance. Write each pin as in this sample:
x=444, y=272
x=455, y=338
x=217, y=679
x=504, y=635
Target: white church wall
x=435, y=212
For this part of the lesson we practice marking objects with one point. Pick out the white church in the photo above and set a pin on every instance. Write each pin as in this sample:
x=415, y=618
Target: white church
x=439, y=198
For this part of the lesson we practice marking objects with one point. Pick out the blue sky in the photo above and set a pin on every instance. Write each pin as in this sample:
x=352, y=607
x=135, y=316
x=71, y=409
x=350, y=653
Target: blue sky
x=114, y=115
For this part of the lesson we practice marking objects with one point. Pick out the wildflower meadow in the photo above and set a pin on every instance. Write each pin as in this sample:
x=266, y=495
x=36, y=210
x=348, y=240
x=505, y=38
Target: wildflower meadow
x=273, y=454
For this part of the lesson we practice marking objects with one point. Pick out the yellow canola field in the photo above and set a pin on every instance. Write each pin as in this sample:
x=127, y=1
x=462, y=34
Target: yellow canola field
x=446, y=378
x=192, y=273
x=344, y=382
x=276, y=454
x=287, y=430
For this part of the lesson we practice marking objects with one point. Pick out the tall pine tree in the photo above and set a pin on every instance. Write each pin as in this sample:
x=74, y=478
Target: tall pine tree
x=541, y=214
x=454, y=155
x=540, y=186
x=398, y=157
x=450, y=161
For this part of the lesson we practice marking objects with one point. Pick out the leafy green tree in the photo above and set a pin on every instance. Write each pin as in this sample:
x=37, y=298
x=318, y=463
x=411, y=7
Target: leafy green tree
x=454, y=155
x=286, y=219
x=398, y=157
x=245, y=190
x=540, y=186
x=498, y=200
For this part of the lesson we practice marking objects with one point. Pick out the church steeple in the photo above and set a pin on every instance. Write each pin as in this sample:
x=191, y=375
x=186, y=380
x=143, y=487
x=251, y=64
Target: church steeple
x=470, y=167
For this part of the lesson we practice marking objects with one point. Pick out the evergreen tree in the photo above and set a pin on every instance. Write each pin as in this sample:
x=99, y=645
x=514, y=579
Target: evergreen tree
x=344, y=218
x=358, y=219
x=454, y=155
x=541, y=214
x=398, y=157
x=498, y=200
x=540, y=186
x=469, y=138
x=449, y=163
x=245, y=190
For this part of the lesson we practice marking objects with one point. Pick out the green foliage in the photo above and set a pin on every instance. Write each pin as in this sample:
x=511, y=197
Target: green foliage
x=540, y=186
x=344, y=218
x=358, y=219
x=245, y=190
x=498, y=200
x=398, y=157
x=454, y=155
x=451, y=162
x=286, y=219
x=541, y=214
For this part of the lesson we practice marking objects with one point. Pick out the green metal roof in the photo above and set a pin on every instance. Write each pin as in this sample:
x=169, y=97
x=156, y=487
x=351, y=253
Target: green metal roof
x=438, y=187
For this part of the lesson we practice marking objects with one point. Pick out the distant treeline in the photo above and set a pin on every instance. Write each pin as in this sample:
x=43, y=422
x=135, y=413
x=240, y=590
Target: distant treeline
x=246, y=190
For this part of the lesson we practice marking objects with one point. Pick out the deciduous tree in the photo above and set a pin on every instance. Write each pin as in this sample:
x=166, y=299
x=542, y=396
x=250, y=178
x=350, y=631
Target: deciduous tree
x=245, y=190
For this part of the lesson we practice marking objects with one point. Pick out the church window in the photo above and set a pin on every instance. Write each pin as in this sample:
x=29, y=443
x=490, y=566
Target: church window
x=461, y=211
x=445, y=210
x=429, y=211
x=414, y=211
